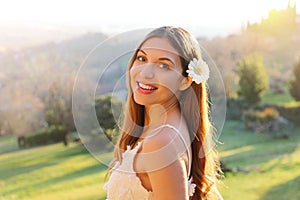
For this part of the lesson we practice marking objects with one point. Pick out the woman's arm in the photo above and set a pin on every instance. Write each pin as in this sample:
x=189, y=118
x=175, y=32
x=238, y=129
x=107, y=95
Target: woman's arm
x=169, y=182
x=165, y=168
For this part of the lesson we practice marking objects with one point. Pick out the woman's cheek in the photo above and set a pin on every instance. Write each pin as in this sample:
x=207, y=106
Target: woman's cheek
x=132, y=72
x=132, y=75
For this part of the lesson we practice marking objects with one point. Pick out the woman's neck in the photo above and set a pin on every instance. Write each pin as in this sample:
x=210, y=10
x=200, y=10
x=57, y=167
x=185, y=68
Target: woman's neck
x=157, y=115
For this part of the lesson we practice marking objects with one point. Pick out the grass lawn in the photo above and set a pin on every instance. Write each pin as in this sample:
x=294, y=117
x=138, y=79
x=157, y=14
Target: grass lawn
x=50, y=172
x=265, y=169
x=280, y=99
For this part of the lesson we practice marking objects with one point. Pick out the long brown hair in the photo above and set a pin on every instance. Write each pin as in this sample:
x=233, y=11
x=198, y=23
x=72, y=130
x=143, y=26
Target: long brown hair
x=195, y=98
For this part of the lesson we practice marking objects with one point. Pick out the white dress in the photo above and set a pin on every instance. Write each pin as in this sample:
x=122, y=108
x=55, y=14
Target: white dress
x=124, y=184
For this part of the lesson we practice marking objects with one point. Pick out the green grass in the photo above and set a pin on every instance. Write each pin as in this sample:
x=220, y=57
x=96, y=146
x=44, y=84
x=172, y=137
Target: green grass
x=51, y=172
x=277, y=98
x=7, y=144
x=266, y=168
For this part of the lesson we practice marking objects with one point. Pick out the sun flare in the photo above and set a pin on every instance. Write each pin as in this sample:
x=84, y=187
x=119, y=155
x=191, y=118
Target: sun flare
x=215, y=16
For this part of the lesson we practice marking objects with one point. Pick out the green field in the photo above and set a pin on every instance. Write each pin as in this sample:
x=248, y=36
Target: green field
x=278, y=99
x=50, y=172
x=265, y=168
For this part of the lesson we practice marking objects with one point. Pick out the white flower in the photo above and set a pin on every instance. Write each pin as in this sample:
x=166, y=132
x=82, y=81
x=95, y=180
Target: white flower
x=198, y=70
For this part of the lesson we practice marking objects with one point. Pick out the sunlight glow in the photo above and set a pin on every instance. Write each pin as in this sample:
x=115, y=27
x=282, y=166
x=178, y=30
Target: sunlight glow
x=217, y=14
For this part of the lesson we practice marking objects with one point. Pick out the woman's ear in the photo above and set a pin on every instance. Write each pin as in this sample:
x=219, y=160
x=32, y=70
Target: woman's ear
x=185, y=83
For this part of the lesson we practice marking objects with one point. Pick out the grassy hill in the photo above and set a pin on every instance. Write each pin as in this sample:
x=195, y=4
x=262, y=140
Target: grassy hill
x=50, y=172
x=264, y=168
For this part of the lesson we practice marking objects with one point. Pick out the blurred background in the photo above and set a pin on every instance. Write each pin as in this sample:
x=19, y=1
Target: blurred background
x=255, y=45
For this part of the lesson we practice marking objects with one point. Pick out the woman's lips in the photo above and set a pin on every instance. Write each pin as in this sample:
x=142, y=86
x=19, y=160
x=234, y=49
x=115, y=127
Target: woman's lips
x=145, y=88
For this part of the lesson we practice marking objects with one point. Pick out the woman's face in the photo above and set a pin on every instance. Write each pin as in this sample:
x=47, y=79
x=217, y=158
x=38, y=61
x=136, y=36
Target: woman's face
x=156, y=73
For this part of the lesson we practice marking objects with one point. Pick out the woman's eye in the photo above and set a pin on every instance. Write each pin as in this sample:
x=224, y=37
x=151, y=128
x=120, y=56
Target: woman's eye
x=141, y=58
x=164, y=66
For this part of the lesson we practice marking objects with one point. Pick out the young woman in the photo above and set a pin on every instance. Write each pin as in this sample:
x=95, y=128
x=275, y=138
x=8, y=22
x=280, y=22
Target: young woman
x=164, y=150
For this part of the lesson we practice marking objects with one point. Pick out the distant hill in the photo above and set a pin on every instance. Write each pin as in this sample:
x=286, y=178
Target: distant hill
x=69, y=53
x=278, y=51
x=17, y=36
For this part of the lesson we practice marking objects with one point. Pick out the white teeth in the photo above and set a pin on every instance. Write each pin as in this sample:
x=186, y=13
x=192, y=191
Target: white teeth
x=146, y=87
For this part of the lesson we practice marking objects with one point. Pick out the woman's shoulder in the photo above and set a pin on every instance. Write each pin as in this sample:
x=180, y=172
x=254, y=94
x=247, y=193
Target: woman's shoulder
x=162, y=137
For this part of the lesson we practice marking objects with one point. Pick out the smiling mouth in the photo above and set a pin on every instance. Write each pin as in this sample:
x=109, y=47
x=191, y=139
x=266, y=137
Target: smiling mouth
x=146, y=87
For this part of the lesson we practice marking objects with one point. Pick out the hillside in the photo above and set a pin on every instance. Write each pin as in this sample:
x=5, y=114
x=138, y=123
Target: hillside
x=35, y=73
x=279, y=53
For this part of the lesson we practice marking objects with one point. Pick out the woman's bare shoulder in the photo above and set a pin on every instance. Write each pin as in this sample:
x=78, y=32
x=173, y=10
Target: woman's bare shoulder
x=160, y=150
x=161, y=161
x=165, y=136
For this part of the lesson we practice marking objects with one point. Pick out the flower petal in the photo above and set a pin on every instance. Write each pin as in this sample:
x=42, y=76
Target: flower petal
x=198, y=70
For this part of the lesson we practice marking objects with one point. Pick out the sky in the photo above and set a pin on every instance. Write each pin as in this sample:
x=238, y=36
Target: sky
x=201, y=17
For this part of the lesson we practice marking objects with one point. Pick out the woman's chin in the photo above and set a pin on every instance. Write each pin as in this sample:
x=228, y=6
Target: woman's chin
x=142, y=100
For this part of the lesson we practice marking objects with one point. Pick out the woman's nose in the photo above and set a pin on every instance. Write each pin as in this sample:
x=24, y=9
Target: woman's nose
x=147, y=71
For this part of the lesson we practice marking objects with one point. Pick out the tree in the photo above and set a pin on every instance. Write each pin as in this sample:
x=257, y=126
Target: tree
x=59, y=106
x=253, y=79
x=294, y=84
x=107, y=108
x=22, y=112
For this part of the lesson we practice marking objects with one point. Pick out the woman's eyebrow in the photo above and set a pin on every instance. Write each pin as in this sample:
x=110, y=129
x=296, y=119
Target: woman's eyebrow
x=168, y=59
x=163, y=58
x=142, y=51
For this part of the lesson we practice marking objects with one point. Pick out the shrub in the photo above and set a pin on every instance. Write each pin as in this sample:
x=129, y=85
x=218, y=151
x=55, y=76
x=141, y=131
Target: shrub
x=75, y=137
x=256, y=119
x=52, y=134
x=269, y=115
x=291, y=112
x=106, y=107
x=235, y=108
x=267, y=120
x=113, y=135
x=260, y=118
